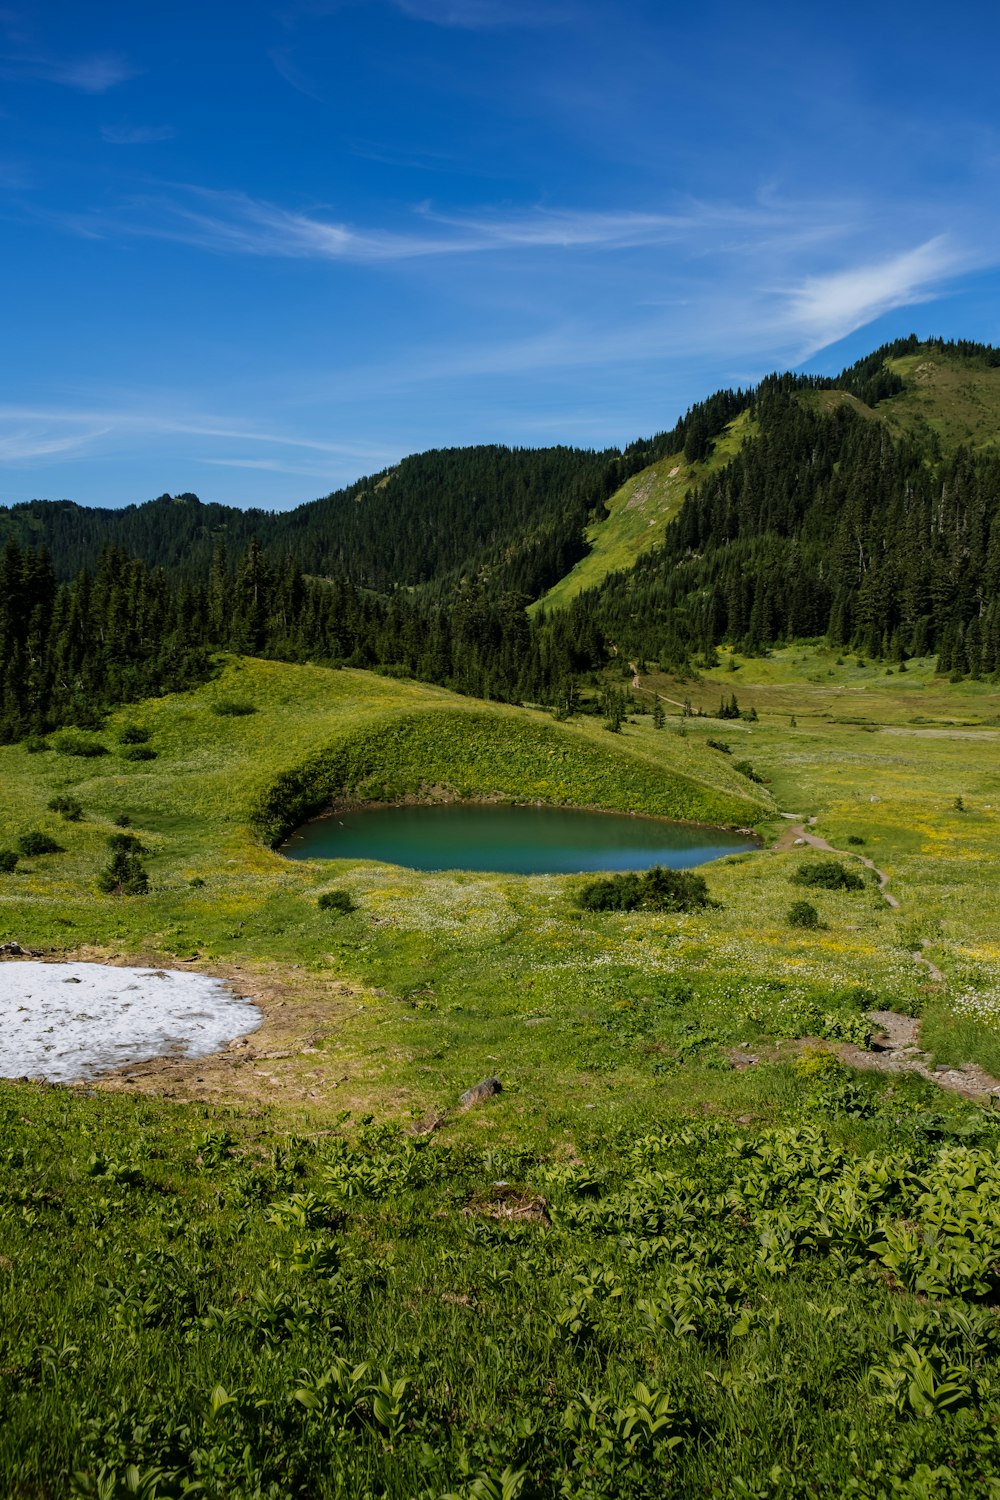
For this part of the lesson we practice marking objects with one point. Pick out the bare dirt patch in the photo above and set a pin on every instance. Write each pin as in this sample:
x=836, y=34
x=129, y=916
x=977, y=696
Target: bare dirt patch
x=306, y=1053
x=896, y=1049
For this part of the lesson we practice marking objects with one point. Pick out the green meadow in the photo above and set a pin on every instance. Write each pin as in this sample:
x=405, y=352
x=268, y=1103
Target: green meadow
x=685, y=1250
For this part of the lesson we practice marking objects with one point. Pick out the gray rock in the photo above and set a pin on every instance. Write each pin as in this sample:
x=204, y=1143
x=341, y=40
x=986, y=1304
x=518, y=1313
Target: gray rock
x=481, y=1092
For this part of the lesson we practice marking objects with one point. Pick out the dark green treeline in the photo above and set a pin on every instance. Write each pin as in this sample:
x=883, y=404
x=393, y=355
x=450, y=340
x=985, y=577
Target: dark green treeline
x=823, y=525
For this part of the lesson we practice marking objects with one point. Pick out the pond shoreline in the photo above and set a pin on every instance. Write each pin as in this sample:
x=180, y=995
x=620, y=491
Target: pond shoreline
x=503, y=837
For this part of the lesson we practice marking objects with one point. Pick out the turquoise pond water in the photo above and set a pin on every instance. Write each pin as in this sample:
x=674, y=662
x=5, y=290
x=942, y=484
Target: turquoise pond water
x=513, y=840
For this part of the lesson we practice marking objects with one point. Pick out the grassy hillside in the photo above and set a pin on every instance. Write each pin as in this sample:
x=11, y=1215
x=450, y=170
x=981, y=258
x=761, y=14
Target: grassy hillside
x=949, y=398
x=313, y=734
x=956, y=398
x=639, y=513
x=683, y=1250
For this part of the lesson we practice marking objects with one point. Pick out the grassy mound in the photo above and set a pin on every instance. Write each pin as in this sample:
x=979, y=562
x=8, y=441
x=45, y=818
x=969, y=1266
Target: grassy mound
x=475, y=753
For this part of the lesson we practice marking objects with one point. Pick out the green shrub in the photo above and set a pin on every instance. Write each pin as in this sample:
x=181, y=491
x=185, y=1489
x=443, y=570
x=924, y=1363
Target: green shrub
x=38, y=843
x=719, y=745
x=654, y=890
x=829, y=875
x=127, y=842
x=232, y=708
x=855, y=838
x=123, y=875
x=802, y=914
x=71, y=809
x=338, y=901
x=8, y=861
x=36, y=743
x=123, y=821
x=133, y=734
x=70, y=742
x=746, y=769
x=138, y=752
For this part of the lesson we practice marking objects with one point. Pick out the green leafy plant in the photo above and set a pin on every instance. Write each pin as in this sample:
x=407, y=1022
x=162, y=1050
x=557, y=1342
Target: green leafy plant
x=233, y=708
x=829, y=875
x=657, y=889
x=71, y=809
x=341, y=902
x=133, y=734
x=36, y=842
x=70, y=742
x=802, y=914
x=123, y=875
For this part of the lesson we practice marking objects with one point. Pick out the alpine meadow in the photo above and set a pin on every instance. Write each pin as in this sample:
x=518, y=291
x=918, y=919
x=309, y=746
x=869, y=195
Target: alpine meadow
x=662, y=1183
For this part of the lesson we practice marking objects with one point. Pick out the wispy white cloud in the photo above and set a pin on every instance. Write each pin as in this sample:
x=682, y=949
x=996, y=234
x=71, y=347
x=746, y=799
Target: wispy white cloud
x=124, y=134
x=825, y=308
x=271, y=466
x=29, y=433
x=94, y=74
x=27, y=440
x=236, y=223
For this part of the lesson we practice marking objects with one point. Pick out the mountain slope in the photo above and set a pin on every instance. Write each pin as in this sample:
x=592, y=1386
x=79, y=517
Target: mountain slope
x=637, y=515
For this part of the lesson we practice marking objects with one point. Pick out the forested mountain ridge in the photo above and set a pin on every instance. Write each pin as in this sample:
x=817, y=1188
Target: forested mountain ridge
x=516, y=514
x=829, y=522
x=843, y=509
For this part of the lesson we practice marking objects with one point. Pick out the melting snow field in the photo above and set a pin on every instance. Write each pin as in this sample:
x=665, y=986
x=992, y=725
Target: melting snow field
x=67, y=1021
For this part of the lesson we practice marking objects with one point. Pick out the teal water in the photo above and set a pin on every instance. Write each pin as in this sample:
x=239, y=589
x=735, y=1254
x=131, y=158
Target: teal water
x=512, y=840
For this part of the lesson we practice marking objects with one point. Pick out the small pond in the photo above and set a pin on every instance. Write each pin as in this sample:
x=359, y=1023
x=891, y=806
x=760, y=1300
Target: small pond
x=69, y=1021
x=512, y=840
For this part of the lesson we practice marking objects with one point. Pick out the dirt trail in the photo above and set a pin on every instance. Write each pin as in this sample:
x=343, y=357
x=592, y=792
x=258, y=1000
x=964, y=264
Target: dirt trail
x=799, y=833
x=637, y=683
x=895, y=1049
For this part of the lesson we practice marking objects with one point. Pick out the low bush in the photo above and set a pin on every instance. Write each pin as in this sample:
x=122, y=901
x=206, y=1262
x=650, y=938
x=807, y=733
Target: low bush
x=232, y=708
x=123, y=875
x=133, y=734
x=802, y=914
x=719, y=745
x=37, y=843
x=654, y=890
x=829, y=875
x=8, y=861
x=855, y=838
x=36, y=743
x=128, y=842
x=70, y=742
x=71, y=809
x=138, y=752
x=339, y=901
x=746, y=769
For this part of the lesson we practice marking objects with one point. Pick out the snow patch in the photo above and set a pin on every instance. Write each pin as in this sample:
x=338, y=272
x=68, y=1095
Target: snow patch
x=66, y=1021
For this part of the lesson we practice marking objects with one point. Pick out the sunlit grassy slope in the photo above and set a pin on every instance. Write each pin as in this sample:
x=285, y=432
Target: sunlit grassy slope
x=953, y=398
x=638, y=515
x=885, y=756
x=326, y=733
x=950, y=397
x=957, y=399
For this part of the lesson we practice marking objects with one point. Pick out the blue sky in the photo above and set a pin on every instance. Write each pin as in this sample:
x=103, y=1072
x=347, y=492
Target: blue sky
x=257, y=250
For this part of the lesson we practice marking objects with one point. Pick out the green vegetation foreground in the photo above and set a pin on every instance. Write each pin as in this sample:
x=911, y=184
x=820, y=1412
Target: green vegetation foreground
x=680, y=1251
